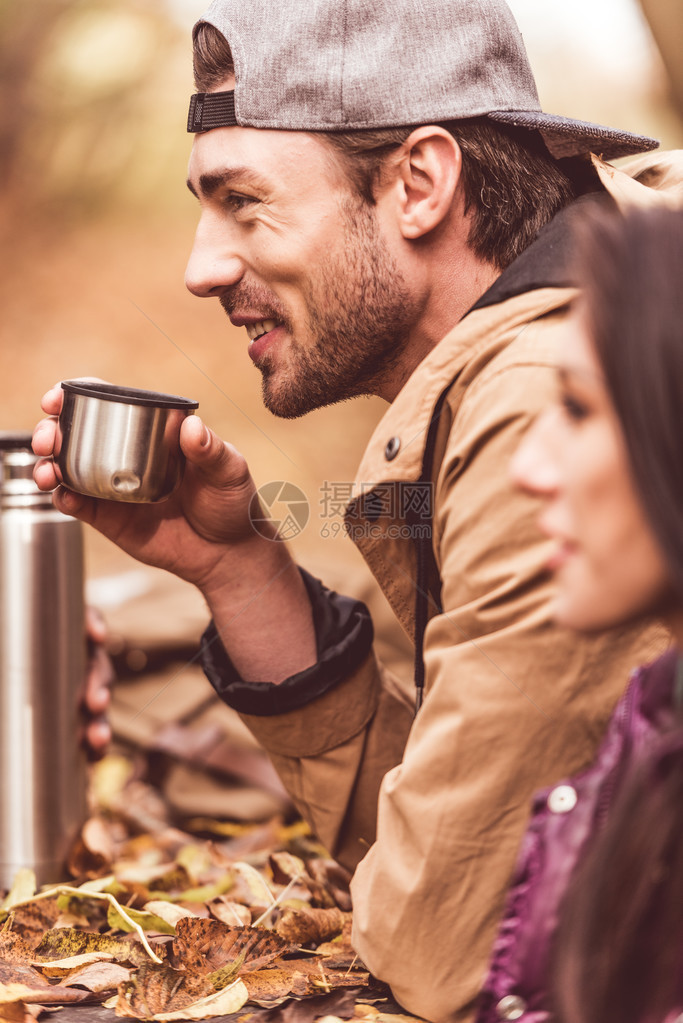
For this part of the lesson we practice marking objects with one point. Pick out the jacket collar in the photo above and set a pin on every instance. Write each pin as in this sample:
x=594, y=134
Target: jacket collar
x=546, y=263
x=538, y=281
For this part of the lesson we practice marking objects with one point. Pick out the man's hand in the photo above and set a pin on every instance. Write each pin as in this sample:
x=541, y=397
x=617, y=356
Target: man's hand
x=203, y=533
x=198, y=534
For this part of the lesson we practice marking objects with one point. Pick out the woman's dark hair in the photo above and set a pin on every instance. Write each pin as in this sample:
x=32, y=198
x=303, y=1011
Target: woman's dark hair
x=620, y=940
x=630, y=266
x=512, y=185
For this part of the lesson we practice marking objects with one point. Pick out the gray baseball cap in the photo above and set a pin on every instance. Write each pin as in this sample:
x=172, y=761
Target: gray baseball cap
x=342, y=65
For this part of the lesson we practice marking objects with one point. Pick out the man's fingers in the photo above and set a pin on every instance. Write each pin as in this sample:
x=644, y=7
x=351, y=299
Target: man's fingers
x=100, y=677
x=44, y=434
x=96, y=737
x=96, y=695
x=51, y=402
x=217, y=460
x=45, y=474
x=95, y=625
x=70, y=503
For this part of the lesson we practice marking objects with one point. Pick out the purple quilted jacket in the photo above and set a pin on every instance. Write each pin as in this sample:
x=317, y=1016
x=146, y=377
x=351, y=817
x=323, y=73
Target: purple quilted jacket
x=563, y=820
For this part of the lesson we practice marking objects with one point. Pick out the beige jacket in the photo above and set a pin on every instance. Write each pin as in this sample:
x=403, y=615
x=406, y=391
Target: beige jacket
x=429, y=811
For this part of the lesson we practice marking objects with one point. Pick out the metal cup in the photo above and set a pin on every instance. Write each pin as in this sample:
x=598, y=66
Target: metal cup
x=120, y=443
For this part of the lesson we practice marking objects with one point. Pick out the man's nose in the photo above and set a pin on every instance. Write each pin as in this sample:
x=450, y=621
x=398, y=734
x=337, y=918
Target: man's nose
x=214, y=263
x=534, y=467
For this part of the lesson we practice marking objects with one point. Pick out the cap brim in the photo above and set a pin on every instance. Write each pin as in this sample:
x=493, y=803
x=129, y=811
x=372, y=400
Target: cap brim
x=566, y=137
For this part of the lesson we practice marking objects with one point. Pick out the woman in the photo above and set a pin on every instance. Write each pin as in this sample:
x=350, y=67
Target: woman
x=593, y=927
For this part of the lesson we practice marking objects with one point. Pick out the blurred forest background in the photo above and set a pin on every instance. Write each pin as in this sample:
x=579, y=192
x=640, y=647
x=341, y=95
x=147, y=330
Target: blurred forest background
x=96, y=223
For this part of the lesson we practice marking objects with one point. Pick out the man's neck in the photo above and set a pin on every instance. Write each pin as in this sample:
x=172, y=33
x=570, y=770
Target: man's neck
x=453, y=293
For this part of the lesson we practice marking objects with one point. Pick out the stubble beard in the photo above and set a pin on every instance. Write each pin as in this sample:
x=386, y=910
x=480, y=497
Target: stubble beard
x=360, y=315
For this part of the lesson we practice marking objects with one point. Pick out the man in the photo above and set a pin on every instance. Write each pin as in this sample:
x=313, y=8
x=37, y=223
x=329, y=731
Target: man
x=372, y=180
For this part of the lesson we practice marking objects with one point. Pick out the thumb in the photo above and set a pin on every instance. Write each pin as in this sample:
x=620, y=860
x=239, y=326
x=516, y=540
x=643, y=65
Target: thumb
x=220, y=463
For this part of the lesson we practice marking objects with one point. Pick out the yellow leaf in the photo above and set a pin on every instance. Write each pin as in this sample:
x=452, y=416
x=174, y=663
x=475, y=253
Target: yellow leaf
x=98, y=884
x=206, y=892
x=109, y=778
x=167, y=911
x=23, y=888
x=67, y=943
x=13, y=992
x=195, y=858
x=147, y=921
x=256, y=883
x=59, y=967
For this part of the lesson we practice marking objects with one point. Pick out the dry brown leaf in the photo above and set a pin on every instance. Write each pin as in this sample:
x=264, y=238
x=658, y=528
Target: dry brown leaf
x=335, y=878
x=32, y=920
x=375, y=1015
x=340, y=956
x=286, y=867
x=220, y=1003
x=159, y=989
x=13, y=993
x=51, y=994
x=310, y=926
x=93, y=851
x=218, y=945
x=15, y=1012
x=330, y=980
x=99, y=977
x=339, y=1003
x=298, y=978
x=21, y=973
x=13, y=948
x=234, y=914
x=271, y=987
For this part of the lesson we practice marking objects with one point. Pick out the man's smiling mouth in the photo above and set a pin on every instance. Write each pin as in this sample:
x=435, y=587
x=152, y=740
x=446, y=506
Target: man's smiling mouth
x=256, y=330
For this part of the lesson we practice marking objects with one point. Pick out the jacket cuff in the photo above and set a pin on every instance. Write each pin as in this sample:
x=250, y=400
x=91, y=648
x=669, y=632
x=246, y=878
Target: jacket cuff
x=344, y=636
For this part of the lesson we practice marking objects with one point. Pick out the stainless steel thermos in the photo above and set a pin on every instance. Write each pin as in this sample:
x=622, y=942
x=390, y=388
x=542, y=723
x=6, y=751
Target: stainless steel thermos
x=42, y=666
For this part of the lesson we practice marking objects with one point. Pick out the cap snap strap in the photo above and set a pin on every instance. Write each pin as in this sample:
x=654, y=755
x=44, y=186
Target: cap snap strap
x=211, y=110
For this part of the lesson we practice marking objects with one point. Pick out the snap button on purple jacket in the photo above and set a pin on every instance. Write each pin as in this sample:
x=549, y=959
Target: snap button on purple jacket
x=511, y=1007
x=564, y=820
x=562, y=799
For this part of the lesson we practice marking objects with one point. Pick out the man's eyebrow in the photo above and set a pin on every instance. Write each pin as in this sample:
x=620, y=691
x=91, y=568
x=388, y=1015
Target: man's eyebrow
x=209, y=184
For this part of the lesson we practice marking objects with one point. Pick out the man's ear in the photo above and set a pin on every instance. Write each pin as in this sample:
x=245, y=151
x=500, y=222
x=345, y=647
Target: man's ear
x=427, y=175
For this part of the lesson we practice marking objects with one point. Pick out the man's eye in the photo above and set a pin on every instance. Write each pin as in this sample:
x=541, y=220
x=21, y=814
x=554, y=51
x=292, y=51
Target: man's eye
x=235, y=201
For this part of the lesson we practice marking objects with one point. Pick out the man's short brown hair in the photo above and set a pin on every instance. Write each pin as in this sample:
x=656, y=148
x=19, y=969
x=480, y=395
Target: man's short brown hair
x=512, y=184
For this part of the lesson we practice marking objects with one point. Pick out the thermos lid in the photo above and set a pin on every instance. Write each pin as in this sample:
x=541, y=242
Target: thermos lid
x=17, y=486
x=15, y=440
